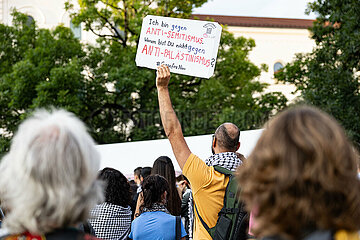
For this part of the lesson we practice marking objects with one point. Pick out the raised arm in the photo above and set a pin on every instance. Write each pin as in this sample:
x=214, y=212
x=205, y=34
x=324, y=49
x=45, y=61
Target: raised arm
x=169, y=119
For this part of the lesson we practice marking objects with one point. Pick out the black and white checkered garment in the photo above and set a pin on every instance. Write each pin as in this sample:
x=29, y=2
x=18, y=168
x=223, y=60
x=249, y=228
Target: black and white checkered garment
x=228, y=160
x=111, y=221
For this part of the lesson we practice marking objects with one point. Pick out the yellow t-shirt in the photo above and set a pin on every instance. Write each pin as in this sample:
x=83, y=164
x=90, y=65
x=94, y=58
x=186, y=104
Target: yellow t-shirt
x=345, y=235
x=208, y=188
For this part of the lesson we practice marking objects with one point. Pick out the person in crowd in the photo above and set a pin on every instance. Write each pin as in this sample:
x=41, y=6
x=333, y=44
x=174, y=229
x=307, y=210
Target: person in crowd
x=300, y=182
x=48, y=178
x=163, y=166
x=155, y=221
x=137, y=172
x=181, y=185
x=112, y=218
x=208, y=185
x=134, y=196
x=145, y=171
x=187, y=207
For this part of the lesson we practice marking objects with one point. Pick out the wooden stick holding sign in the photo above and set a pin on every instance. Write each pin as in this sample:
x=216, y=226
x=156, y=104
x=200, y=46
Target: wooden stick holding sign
x=187, y=47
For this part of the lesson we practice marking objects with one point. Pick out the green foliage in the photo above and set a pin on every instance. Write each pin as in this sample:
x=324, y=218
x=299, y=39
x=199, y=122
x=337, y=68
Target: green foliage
x=102, y=85
x=328, y=77
x=122, y=20
x=39, y=70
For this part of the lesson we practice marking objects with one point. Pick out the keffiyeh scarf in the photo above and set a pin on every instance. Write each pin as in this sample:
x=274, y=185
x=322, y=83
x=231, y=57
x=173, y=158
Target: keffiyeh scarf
x=228, y=160
x=156, y=207
x=111, y=221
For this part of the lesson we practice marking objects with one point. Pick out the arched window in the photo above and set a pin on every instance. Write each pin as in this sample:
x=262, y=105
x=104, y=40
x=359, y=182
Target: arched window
x=30, y=20
x=278, y=66
x=76, y=29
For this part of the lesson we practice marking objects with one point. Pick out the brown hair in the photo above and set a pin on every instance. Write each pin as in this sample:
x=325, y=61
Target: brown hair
x=302, y=175
x=163, y=166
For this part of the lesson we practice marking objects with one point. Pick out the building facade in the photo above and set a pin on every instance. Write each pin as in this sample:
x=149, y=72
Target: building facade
x=277, y=41
x=46, y=13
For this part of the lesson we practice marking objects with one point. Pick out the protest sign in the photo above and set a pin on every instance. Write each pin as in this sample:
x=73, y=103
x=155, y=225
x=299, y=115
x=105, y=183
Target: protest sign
x=187, y=46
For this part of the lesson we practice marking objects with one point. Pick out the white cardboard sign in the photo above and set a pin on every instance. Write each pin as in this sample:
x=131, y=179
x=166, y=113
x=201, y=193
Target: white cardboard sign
x=187, y=46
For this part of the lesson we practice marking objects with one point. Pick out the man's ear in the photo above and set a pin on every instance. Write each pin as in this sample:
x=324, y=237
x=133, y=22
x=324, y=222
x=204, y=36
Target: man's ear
x=238, y=146
x=214, y=142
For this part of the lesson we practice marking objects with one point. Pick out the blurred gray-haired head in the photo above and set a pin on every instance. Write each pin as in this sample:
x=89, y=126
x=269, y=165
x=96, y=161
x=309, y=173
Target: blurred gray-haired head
x=48, y=178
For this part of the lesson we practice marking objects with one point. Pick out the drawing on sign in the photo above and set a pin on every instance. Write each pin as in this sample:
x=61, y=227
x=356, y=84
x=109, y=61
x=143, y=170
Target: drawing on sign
x=180, y=44
x=209, y=27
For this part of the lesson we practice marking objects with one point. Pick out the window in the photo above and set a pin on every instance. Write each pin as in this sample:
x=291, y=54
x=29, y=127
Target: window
x=278, y=66
x=30, y=20
x=76, y=29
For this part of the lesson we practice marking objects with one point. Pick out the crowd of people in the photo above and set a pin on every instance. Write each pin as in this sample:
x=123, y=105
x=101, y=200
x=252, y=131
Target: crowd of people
x=300, y=182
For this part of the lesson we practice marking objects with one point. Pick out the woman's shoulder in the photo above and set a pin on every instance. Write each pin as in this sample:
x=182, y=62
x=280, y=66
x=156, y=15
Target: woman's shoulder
x=156, y=214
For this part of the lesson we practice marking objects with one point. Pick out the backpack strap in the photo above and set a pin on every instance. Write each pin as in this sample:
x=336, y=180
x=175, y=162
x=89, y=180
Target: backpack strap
x=229, y=200
x=223, y=170
x=177, y=228
x=227, y=173
x=201, y=220
x=231, y=217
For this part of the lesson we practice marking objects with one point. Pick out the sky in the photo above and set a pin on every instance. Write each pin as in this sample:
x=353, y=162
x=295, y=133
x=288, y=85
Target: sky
x=257, y=8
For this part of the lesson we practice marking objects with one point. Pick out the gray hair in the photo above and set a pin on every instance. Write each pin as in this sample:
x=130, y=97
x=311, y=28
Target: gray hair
x=227, y=135
x=48, y=178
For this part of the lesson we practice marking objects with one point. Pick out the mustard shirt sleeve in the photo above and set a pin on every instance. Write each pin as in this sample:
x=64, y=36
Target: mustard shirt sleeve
x=198, y=173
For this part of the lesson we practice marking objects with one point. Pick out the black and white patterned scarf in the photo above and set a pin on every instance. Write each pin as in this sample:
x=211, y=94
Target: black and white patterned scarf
x=228, y=160
x=156, y=207
x=191, y=215
x=111, y=221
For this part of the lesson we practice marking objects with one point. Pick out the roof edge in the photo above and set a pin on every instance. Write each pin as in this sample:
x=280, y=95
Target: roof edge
x=266, y=22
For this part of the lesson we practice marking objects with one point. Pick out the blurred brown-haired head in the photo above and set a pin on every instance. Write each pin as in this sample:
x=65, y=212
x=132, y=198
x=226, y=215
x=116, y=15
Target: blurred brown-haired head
x=163, y=166
x=302, y=175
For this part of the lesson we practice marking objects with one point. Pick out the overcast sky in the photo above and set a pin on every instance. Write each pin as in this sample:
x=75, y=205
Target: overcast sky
x=257, y=8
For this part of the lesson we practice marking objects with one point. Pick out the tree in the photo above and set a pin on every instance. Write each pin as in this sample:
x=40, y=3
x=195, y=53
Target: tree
x=201, y=104
x=36, y=67
x=102, y=85
x=328, y=77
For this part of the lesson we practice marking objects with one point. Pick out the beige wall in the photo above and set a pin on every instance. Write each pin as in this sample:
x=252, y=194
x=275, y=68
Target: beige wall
x=1, y=11
x=275, y=45
x=47, y=13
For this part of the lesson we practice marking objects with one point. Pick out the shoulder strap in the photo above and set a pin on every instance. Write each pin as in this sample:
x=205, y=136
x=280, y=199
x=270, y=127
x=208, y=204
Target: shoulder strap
x=223, y=170
x=178, y=228
x=201, y=220
x=230, y=196
x=226, y=173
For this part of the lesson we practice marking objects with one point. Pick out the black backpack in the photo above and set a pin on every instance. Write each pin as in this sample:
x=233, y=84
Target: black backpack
x=233, y=220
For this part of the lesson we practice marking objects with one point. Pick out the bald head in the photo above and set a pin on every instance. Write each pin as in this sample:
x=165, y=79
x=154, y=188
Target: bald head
x=227, y=135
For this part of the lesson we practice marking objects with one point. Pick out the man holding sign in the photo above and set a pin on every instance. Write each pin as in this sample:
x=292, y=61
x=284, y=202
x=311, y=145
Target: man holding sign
x=208, y=185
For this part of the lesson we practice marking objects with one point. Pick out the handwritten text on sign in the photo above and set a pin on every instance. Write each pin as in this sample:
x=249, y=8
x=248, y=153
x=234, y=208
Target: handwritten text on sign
x=187, y=46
